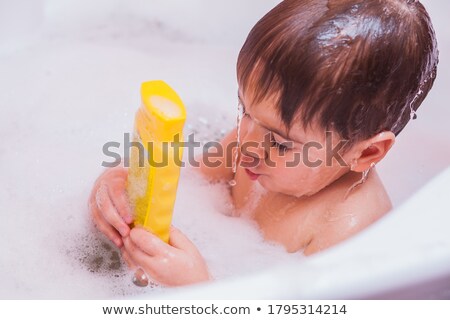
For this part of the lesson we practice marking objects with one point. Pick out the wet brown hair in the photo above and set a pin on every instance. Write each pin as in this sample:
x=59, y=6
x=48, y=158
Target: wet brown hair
x=358, y=67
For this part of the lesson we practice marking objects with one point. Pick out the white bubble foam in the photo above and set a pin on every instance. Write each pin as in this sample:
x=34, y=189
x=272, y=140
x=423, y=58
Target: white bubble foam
x=230, y=245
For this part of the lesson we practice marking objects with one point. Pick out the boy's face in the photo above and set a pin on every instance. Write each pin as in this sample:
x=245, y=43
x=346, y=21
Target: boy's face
x=297, y=162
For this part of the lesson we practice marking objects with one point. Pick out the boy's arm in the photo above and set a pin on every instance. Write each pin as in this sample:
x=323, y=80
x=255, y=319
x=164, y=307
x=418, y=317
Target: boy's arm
x=217, y=163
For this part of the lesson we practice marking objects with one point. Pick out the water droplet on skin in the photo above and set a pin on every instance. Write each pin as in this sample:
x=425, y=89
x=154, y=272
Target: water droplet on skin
x=363, y=179
x=332, y=217
x=140, y=279
x=236, y=153
x=354, y=8
x=413, y=115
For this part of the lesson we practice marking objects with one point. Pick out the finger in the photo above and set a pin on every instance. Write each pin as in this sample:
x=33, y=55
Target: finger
x=109, y=212
x=139, y=257
x=178, y=240
x=120, y=200
x=120, y=172
x=148, y=242
x=128, y=260
x=114, y=172
x=104, y=227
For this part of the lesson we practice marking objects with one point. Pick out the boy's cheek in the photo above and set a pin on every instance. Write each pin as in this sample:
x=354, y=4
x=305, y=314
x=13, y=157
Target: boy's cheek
x=301, y=179
x=307, y=158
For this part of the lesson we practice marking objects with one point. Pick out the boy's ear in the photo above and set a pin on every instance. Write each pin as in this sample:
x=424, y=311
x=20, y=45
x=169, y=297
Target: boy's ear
x=371, y=151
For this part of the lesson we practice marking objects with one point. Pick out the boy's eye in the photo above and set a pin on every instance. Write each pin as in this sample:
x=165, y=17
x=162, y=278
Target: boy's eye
x=279, y=146
x=242, y=111
x=282, y=146
x=241, y=107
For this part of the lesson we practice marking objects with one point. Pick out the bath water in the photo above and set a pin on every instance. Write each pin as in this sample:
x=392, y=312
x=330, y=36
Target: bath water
x=240, y=115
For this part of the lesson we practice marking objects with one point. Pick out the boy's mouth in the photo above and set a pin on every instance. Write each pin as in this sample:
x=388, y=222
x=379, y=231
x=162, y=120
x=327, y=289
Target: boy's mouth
x=253, y=176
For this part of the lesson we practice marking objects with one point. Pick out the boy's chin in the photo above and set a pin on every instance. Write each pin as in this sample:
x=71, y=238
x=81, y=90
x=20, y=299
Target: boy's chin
x=266, y=183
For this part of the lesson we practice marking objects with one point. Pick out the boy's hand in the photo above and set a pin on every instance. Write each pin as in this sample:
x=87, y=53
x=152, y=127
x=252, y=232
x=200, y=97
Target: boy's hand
x=174, y=264
x=109, y=206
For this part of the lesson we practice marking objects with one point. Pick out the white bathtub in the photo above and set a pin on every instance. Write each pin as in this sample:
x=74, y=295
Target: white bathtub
x=73, y=87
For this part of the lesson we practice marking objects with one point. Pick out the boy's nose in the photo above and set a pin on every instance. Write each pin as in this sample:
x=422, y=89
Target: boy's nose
x=251, y=157
x=252, y=147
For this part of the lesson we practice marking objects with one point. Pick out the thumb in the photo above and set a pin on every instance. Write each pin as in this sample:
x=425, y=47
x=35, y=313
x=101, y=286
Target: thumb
x=178, y=240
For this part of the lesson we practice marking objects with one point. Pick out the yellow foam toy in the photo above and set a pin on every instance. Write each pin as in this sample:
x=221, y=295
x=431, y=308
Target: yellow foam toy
x=153, y=179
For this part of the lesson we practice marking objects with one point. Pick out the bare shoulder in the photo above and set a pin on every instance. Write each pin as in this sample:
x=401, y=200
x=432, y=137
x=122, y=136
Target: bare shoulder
x=343, y=219
x=217, y=165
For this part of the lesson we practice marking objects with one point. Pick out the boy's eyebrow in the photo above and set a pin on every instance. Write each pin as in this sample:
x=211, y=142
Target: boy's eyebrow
x=268, y=127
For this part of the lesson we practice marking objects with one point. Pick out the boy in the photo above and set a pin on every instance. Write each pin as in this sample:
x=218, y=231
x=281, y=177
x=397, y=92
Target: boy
x=325, y=86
